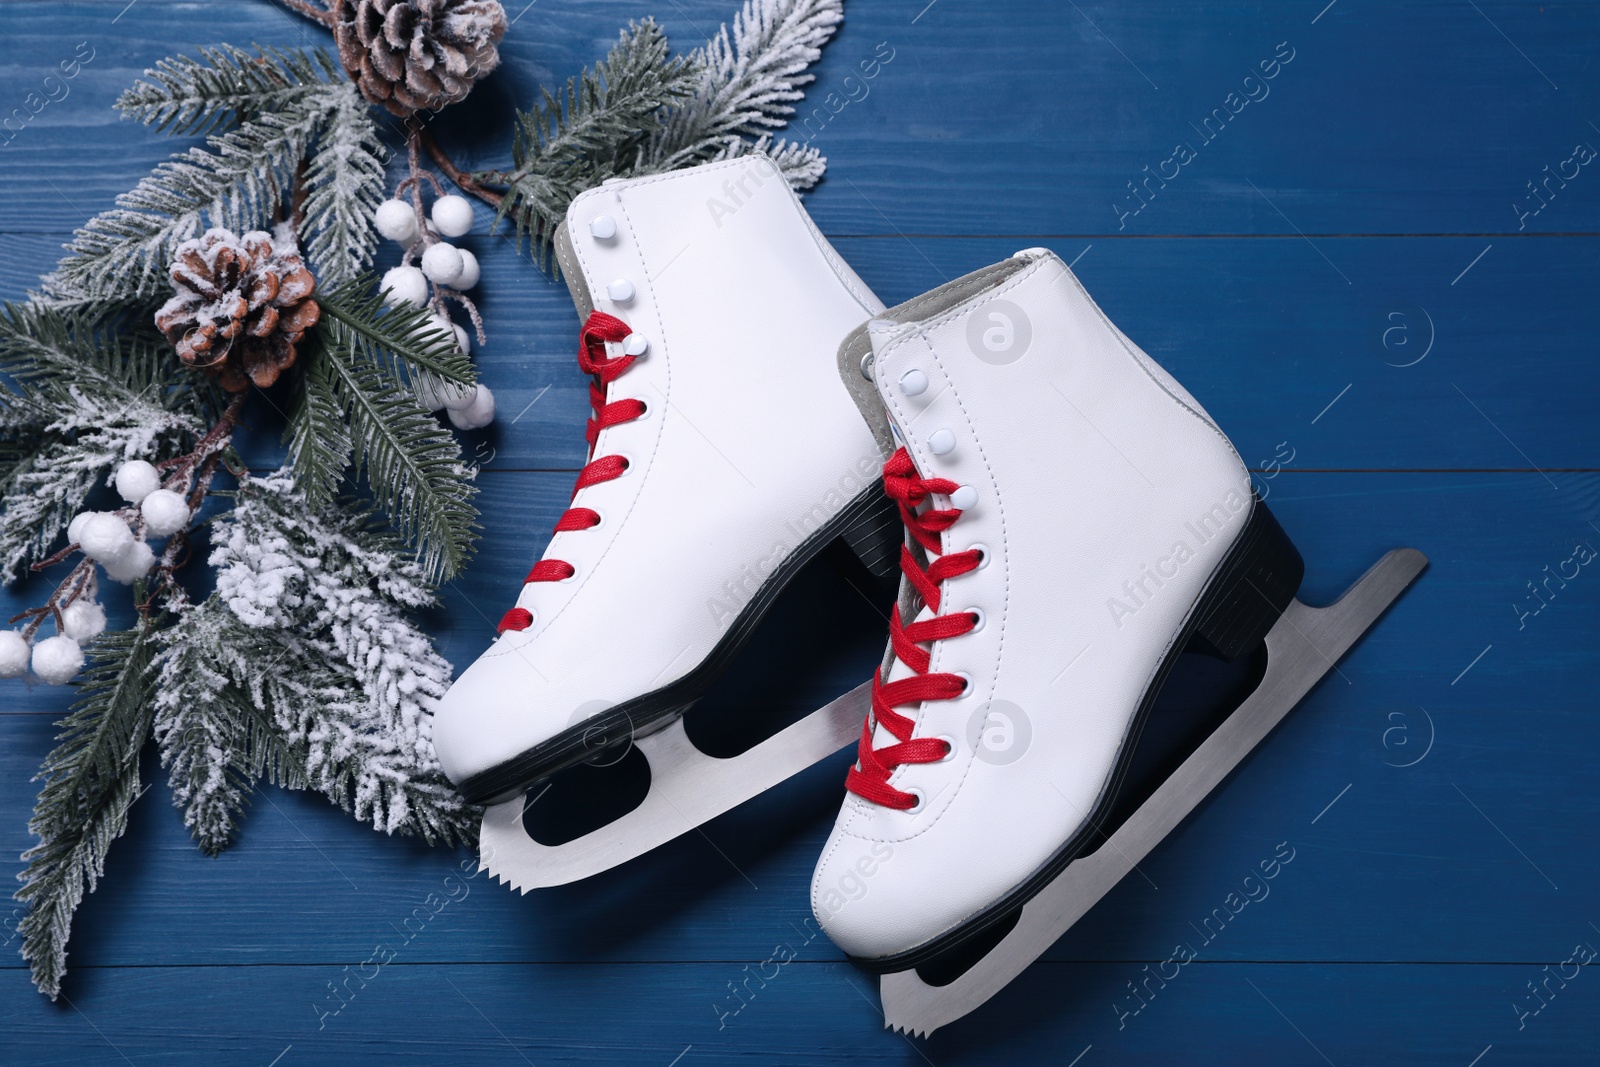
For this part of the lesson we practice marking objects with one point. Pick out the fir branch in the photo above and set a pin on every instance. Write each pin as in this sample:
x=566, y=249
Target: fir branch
x=750, y=78
x=344, y=184
x=236, y=183
x=303, y=668
x=124, y=253
x=318, y=439
x=50, y=352
x=91, y=779
x=801, y=165
x=574, y=139
x=413, y=464
x=215, y=742
x=640, y=113
x=405, y=338
x=189, y=96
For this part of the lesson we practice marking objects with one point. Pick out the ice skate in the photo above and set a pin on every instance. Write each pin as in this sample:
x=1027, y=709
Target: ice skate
x=724, y=454
x=1075, y=521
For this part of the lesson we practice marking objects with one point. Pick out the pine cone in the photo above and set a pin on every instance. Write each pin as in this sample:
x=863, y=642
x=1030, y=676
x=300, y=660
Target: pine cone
x=240, y=307
x=415, y=55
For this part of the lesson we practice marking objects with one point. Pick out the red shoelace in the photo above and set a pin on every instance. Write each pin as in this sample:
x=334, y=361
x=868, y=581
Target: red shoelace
x=869, y=778
x=597, y=331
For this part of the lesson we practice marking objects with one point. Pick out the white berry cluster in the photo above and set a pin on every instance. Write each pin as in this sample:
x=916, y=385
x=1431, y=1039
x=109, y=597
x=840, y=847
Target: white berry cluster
x=450, y=270
x=117, y=541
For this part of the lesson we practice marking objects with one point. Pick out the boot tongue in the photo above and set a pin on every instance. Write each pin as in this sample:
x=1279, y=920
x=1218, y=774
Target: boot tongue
x=879, y=331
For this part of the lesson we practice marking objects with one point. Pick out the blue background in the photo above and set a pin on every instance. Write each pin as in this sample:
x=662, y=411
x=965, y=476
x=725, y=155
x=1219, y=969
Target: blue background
x=1343, y=274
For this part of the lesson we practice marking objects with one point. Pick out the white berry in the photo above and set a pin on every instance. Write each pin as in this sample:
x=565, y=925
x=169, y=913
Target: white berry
x=165, y=513
x=83, y=620
x=137, y=479
x=452, y=214
x=462, y=340
x=469, y=270
x=133, y=564
x=442, y=263
x=404, y=285
x=75, y=527
x=397, y=220
x=14, y=654
x=476, y=415
x=57, y=659
x=104, y=537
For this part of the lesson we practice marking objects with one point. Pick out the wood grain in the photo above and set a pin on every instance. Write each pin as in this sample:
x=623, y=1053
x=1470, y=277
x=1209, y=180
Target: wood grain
x=1438, y=792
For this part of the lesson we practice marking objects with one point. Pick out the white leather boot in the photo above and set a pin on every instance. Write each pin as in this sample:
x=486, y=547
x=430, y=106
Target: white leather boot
x=1076, y=519
x=724, y=454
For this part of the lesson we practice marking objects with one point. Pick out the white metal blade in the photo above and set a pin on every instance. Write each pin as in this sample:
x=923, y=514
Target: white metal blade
x=687, y=788
x=1301, y=648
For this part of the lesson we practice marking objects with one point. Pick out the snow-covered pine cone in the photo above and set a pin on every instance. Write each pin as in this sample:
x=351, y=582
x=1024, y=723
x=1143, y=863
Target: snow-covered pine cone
x=240, y=309
x=415, y=55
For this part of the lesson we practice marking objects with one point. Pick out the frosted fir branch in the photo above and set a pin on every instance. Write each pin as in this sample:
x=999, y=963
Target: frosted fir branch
x=641, y=113
x=215, y=742
x=84, y=399
x=801, y=165
x=43, y=493
x=344, y=183
x=188, y=96
x=122, y=254
x=237, y=182
x=750, y=78
x=308, y=630
x=91, y=779
x=596, y=127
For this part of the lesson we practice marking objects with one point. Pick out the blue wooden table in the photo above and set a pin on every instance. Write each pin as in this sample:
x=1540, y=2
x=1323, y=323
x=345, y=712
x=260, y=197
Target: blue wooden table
x=1378, y=270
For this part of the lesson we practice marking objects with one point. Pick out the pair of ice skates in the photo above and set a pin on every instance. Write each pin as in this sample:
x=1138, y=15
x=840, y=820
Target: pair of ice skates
x=1066, y=518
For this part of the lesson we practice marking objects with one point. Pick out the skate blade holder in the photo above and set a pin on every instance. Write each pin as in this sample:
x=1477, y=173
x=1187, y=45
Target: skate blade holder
x=687, y=788
x=1302, y=646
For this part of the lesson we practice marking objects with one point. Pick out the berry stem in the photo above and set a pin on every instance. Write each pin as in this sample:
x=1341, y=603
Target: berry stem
x=466, y=182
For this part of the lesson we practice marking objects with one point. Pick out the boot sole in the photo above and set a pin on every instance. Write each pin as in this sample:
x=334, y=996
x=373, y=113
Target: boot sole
x=1240, y=604
x=869, y=524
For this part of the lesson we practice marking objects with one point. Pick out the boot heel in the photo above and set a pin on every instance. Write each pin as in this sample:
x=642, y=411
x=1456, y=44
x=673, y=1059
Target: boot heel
x=1259, y=579
x=874, y=532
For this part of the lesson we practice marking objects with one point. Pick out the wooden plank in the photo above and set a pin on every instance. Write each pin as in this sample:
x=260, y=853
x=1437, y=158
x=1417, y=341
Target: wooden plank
x=1398, y=370
x=304, y=882
x=966, y=131
x=1431, y=792
x=806, y=1012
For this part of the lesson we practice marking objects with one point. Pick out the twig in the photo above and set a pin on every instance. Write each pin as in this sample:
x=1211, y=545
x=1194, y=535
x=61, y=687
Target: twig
x=466, y=182
x=297, y=198
x=311, y=11
x=71, y=587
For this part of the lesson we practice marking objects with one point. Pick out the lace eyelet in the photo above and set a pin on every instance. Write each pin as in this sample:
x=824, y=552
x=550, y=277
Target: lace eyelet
x=644, y=409
x=570, y=577
x=967, y=682
x=983, y=554
x=599, y=518
x=627, y=464
x=949, y=748
x=921, y=803
x=979, y=618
